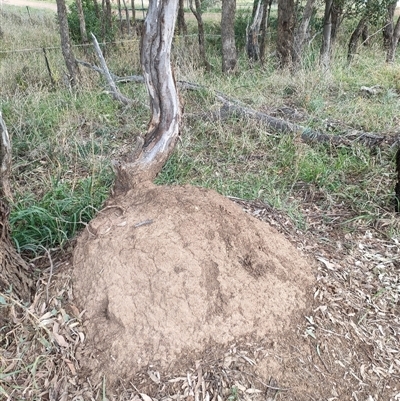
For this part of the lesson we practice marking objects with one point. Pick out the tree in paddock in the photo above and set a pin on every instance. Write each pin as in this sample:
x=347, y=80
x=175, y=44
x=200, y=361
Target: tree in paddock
x=326, y=46
x=229, y=55
x=66, y=43
x=82, y=23
x=197, y=12
x=301, y=32
x=391, y=32
x=285, y=35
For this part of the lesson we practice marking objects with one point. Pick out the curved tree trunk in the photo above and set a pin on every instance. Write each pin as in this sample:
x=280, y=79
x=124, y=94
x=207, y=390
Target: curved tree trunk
x=14, y=272
x=229, y=56
x=153, y=151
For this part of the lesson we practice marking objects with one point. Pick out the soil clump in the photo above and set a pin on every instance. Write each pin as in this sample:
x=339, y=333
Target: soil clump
x=166, y=274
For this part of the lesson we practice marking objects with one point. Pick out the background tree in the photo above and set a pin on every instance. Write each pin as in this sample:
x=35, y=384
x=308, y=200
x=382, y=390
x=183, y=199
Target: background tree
x=325, y=53
x=264, y=27
x=66, y=43
x=182, y=28
x=253, y=30
x=391, y=32
x=196, y=10
x=229, y=56
x=82, y=23
x=300, y=35
x=284, y=44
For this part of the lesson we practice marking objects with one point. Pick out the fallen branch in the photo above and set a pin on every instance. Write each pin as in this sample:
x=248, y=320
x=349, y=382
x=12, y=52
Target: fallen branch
x=117, y=95
x=233, y=108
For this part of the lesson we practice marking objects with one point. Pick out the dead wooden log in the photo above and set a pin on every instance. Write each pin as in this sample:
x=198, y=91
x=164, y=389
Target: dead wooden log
x=117, y=95
x=233, y=108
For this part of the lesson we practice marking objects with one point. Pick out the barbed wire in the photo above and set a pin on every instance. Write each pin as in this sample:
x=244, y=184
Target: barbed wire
x=40, y=49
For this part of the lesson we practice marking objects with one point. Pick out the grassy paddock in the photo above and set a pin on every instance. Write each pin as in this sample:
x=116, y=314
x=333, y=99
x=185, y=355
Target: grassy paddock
x=63, y=141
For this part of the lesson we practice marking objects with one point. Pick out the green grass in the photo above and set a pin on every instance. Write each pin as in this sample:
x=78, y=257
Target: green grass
x=63, y=141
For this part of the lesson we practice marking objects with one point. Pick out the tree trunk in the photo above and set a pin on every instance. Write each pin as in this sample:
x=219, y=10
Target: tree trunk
x=120, y=15
x=285, y=32
x=182, y=28
x=96, y=9
x=336, y=20
x=200, y=27
x=133, y=12
x=229, y=56
x=365, y=36
x=66, y=43
x=394, y=41
x=15, y=274
x=128, y=22
x=300, y=35
x=264, y=27
x=82, y=24
x=353, y=44
x=325, y=53
x=153, y=151
x=253, y=31
x=388, y=28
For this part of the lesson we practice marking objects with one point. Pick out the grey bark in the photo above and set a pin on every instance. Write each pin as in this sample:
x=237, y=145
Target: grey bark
x=151, y=152
x=117, y=95
x=229, y=56
x=82, y=24
x=253, y=31
x=388, y=27
x=300, y=35
x=325, y=53
x=66, y=43
x=182, y=28
x=133, y=11
x=284, y=43
x=354, y=39
x=264, y=27
x=196, y=10
x=128, y=22
x=336, y=20
x=119, y=15
x=394, y=41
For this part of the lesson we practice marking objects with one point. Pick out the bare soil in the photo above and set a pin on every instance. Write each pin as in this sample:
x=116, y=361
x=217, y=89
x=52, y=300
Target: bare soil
x=173, y=275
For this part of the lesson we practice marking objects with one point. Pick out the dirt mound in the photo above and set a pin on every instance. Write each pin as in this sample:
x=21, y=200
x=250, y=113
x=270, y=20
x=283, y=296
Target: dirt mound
x=166, y=272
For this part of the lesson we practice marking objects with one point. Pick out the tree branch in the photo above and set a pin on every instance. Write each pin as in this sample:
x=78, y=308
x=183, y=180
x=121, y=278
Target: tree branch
x=117, y=95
